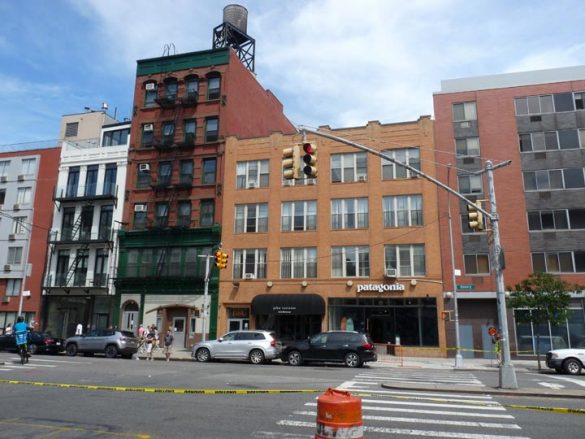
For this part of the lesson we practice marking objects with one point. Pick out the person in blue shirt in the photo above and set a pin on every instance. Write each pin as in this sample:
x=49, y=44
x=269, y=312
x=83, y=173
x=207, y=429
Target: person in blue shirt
x=21, y=329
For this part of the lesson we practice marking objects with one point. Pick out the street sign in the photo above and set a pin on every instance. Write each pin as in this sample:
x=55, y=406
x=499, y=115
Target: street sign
x=465, y=287
x=492, y=331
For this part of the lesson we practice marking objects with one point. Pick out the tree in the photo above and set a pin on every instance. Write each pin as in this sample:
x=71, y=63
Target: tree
x=547, y=299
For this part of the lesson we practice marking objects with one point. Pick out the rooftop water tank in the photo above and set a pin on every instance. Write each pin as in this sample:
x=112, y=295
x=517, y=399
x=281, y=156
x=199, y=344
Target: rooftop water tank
x=237, y=16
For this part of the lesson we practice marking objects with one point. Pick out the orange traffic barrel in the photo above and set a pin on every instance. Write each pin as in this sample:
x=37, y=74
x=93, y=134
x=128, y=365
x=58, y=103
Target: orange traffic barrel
x=339, y=415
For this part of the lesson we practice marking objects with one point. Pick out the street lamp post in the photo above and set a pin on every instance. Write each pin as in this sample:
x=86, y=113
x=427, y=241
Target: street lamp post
x=24, y=270
x=205, y=295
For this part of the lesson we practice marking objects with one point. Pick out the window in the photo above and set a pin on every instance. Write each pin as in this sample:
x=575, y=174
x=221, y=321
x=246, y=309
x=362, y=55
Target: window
x=4, y=165
x=251, y=261
x=252, y=174
x=71, y=129
x=299, y=216
x=559, y=262
x=298, y=262
x=23, y=195
x=81, y=267
x=91, y=180
x=350, y=213
x=72, y=181
x=62, y=267
x=192, y=87
x=162, y=215
x=579, y=101
x=184, y=214
x=406, y=259
x=105, y=225
x=2, y=196
x=476, y=264
x=29, y=166
x=569, y=139
x=115, y=137
x=464, y=111
x=86, y=222
x=403, y=211
x=13, y=287
x=143, y=176
x=353, y=261
x=409, y=156
x=171, y=88
x=251, y=218
x=110, y=179
x=563, y=102
x=213, y=87
x=186, y=172
x=19, y=225
x=211, y=129
x=14, y=255
x=209, y=170
x=534, y=105
x=165, y=170
x=548, y=220
x=150, y=92
x=467, y=147
x=550, y=140
x=470, y=184
x=207, y=213
x=67, y=223
x=189, y=130
x=100, y=273
x=547, y=179
x=299, y=182
x=147, y=134
x=349, y=167
x=168, y=133
x=577, y=218
x=139, y=221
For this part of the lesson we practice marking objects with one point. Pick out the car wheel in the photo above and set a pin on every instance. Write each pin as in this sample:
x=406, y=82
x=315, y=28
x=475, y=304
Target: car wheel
x=71, y=350
x=294, y=358
x=257, y=356
x=572, y=366
x=111, y=351
x=352, y=360
x=203, y=355
x=33, y=349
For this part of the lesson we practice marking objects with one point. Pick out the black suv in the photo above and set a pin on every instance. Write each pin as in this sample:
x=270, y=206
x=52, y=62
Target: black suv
x=348, y=347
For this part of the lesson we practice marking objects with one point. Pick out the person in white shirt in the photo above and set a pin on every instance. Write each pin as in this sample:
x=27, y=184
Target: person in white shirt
x=79, y=329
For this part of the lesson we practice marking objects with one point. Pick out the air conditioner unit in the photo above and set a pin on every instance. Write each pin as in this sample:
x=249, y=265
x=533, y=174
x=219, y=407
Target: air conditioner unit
x=11, y=237
x=16, y=207
x=148, y=127
x=311, y=181
x=140, y=208
x=288, y=183
x=252, y=185
x=150, y=86
x=144, y=167
x=390, y=272
x=3, y=179
x=7, y=267
x=21, y=177
x=249, y=276
x=5, y=299
x=465, y=124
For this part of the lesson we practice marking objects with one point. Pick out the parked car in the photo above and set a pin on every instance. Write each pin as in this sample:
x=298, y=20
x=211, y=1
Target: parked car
x=569, y=361
x=349, y=347
x=111, y=342
x=38, y=343
x=254, y=345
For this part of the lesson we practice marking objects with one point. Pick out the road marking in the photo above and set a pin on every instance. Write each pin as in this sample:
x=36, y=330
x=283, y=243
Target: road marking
x=408, y=432
x=55, y=361
x=432, y=395
x=570, y=380
x=552, y=385
x=427, y=421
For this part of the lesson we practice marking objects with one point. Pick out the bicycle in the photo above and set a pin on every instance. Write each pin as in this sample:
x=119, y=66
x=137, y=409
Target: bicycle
x=23, y=352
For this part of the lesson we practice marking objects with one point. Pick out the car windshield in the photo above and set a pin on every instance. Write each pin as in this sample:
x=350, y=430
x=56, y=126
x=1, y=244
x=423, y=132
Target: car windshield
x=229, y=337
x=319, y=339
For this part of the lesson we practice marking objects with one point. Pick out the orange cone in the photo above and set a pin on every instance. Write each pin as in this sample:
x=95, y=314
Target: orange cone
x=339, y=415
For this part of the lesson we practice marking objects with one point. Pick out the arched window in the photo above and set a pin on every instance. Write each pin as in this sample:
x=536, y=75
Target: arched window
x=191, y=87
x=171, y=88
x=213, y=86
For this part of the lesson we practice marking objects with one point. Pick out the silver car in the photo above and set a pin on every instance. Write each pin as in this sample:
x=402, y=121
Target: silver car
x=111, y=342
x=254, y=345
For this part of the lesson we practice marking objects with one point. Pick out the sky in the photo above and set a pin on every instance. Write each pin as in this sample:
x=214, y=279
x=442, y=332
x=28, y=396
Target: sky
x=340, y=63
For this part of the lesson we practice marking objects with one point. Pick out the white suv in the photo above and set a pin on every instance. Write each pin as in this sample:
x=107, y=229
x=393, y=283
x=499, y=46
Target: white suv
x=569, y=361
x=254, y=345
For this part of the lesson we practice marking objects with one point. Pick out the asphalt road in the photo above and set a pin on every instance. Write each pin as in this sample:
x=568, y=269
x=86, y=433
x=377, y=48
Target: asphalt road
x=236, y=411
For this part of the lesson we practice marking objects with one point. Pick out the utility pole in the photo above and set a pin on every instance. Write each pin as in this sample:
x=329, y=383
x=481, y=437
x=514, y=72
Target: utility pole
x=205, y=295
x=507, y=373
x=25, y=268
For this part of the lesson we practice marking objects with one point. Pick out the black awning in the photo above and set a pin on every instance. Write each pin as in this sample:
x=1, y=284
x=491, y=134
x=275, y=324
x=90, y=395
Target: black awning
x=293, y=304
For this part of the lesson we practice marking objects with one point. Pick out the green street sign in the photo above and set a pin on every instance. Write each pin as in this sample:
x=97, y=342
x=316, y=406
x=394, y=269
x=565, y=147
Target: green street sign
x=465, y=287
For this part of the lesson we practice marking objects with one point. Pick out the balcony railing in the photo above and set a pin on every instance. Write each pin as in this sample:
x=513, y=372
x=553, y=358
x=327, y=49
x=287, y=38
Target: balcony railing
x=81, y=193
x=79, y=279
x=66, y=235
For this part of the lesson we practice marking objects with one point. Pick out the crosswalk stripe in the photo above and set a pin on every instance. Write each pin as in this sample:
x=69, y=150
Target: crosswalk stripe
x=409, y=432
x=420, y=378
x=427, y=421
x=352, y=388
x=483, y=406
x=428, y=412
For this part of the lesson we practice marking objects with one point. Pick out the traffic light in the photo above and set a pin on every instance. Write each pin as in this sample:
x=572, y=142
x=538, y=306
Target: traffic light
x=291, y=162
x=310, y=159
x=221, y=259
x=218, y=254
x=475, y=217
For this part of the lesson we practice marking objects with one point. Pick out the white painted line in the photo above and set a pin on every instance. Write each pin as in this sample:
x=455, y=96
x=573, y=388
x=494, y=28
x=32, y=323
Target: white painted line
x=433, y=394
x=428, y=412
x=55, y=361
x=422, y=380
x=397, y=380
x=570, y=380
x=432, y=404
x=280, y=435
x=427, y=421
x=409, y=432
x=552, y=385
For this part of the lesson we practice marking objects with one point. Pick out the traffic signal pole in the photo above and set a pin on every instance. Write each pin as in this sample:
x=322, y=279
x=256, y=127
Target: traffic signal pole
x=507, y=373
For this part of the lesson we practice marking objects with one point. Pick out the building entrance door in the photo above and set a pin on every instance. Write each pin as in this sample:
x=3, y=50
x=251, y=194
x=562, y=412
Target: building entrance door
x=238, y=324
x=179, y=332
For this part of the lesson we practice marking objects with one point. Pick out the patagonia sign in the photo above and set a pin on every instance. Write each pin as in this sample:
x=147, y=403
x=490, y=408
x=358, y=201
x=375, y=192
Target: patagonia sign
x=380, y=288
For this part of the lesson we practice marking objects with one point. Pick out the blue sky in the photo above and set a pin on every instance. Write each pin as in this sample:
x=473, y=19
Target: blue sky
x=330, y=62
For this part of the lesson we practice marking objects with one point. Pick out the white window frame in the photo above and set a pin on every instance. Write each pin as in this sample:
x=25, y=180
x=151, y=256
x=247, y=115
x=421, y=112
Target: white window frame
x=14, y=256
x=293, y=259
x=472, y=146
x=241, y=212
x=308, y=206
x=469, y=111
x=13, y=287
x=4, y=165
x=24, y=195
x=362, y=269
x=390, y=210
x=346, y=161
x=475, y=184
x=409, y=156
x=557, y=256
x=240, y=265
x=536, y=101
x=244, y=177
x=349, y=208
x=19, y=225
x=401, y=266
x=476, y=256
x=29, y=166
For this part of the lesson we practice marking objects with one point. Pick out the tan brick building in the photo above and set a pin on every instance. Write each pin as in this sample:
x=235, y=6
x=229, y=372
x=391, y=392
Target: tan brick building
x=356, y=248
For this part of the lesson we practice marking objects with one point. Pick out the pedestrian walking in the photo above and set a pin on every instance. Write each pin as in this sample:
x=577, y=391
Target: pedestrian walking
x=79, y=329
x=169, y=344
x=149, y=343
x=8, y=329
x=141, y=331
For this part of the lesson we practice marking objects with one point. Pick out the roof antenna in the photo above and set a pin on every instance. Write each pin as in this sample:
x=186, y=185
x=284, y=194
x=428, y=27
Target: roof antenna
x=167, y=49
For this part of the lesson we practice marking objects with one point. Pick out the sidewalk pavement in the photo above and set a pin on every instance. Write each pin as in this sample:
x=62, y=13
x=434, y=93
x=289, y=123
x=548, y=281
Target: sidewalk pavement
x=469, y=365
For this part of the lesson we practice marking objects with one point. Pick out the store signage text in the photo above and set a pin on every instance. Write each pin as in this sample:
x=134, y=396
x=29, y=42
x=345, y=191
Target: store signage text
x=380, y=288
x=284, y=309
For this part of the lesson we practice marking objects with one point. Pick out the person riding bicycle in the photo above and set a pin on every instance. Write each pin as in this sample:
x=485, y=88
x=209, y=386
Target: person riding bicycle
x=21, y=334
